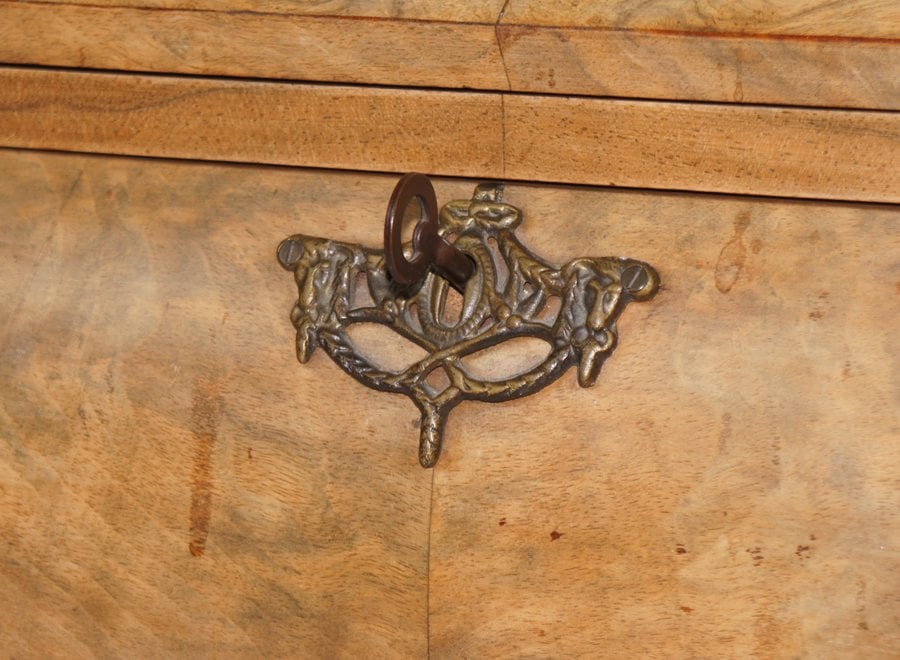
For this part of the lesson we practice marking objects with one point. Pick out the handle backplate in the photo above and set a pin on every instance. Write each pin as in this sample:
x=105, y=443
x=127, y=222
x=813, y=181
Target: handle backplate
x=507, y=295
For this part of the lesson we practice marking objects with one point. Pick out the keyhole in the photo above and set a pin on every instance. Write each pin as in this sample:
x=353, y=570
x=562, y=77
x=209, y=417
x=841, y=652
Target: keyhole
x=450, y=304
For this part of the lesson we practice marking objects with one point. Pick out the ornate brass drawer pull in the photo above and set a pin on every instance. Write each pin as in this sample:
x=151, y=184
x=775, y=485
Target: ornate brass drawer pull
x=506, y=293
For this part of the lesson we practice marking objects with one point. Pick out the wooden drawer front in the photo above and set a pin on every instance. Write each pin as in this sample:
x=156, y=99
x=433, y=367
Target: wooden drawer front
x=174, y=483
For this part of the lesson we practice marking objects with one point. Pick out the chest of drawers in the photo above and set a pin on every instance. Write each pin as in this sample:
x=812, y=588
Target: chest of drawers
x=173, y=483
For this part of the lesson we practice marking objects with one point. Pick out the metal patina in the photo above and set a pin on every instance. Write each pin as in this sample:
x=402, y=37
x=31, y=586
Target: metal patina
x=507, y=294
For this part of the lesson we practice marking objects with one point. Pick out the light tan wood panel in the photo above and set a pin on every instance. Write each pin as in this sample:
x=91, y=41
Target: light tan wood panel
x=838, y=54
x=810, y=53
x=729, y=487
x=866, y=19
x=422, y=10
x=253, y=44
x=849, y=18
x=838, y=72
x=172, y=481
x=322, y=126
x=771, y=151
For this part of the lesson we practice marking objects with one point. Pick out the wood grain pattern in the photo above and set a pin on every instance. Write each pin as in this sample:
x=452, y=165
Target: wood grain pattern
x=777, y=151
x=811, y=53
x=729, y=487
x=755, y=150
x=835, y=54
x=172, y=482
x=322, y=126
x=252, y=44
x=863, y=19
x=827, y=72
x=464, y=11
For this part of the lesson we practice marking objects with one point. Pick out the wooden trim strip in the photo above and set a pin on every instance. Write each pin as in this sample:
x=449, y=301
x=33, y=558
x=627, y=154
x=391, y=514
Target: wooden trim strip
x=595, y=60
x=701, y=67
x=866, y=19
x=730, y=149
x=863, y=19
x=455, y=11
x=360, y=128
x=253, y=45
x=843, y=155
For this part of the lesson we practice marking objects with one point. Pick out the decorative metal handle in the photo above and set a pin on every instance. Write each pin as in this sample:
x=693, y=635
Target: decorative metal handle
x=506, y=293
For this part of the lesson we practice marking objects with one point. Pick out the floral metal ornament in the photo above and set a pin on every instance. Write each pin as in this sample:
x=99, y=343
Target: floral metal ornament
x=507, y=292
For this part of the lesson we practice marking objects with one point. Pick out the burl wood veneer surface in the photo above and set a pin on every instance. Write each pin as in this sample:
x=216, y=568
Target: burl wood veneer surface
x=730, y=487
x=172, y=482
x=808, y=52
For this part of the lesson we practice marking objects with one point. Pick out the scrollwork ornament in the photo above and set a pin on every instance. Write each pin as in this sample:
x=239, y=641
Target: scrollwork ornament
x=505, y=297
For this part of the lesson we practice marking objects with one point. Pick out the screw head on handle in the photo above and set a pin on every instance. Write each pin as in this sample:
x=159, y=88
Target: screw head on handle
x=634, y=278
